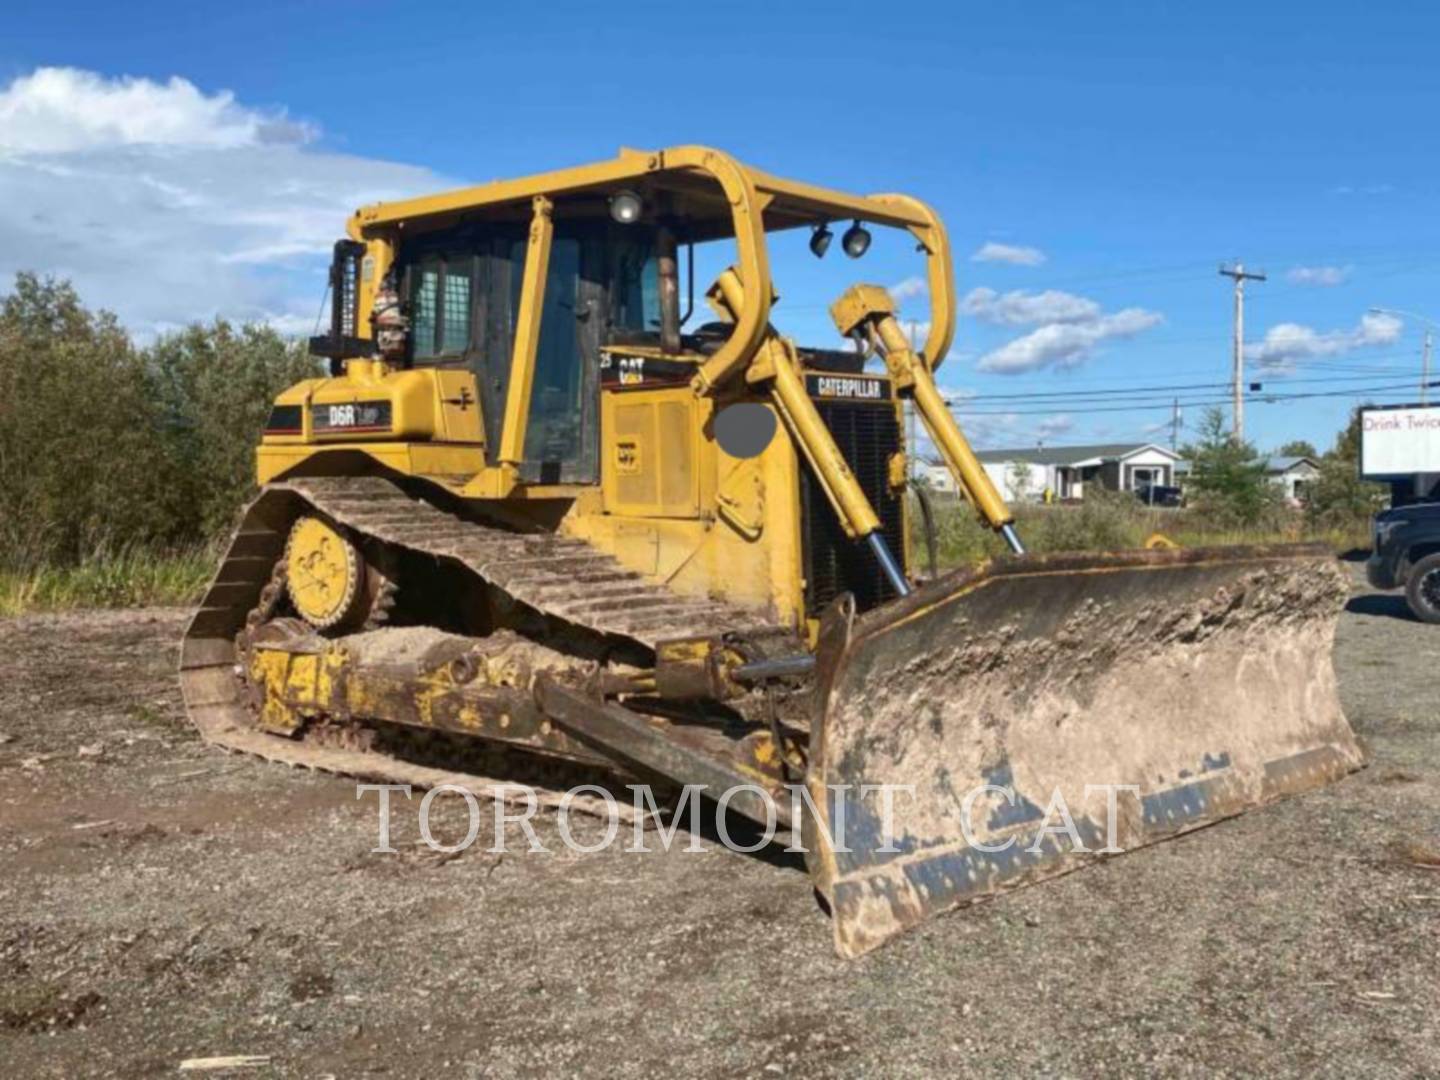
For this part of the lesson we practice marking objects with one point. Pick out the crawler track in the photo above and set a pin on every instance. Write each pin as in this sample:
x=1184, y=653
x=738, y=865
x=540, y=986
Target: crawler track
x=558, y=577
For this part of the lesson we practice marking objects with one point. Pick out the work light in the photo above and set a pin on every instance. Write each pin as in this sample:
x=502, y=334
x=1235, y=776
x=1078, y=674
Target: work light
x=856, y=240
x=820, y=240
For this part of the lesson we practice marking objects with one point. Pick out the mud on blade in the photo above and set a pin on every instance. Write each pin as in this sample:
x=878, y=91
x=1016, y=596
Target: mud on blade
x=1201, y=677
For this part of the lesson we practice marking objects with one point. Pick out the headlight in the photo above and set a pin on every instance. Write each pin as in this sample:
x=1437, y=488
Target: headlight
x=626, y=207
x=1383, y=529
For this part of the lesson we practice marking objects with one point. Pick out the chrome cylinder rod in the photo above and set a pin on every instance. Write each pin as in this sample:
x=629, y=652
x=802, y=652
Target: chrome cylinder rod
x=1008, y=532
x=888, y=564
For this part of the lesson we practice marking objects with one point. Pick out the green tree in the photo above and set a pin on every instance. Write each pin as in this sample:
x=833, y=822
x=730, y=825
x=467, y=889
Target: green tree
x=1021, y=480
x=1300, y=448
x=214, y=385
x=81, y=463
x=1227, y=478
x=1339, y=498
x=103, y=445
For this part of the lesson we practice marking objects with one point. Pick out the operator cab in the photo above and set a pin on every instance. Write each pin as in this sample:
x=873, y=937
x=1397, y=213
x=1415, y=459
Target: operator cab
x=612, y=302
x=461, y=289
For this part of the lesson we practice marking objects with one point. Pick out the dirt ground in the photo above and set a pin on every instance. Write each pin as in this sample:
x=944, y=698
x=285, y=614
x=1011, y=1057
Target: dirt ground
x=160, y=901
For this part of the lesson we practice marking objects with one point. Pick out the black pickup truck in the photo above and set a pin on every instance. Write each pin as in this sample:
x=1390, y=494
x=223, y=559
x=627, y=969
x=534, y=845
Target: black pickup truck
x=1407, y=556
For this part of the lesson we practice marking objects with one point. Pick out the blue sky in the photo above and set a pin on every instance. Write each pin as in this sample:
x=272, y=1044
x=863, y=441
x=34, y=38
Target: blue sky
x=1111, y=156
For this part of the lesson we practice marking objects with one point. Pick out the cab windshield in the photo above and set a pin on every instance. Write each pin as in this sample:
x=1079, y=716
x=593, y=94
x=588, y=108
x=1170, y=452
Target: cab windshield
x=602, y=287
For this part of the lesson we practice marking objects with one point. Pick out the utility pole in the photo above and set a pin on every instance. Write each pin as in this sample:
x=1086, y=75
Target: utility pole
x=1240, y=276
x=1425, y=371
x=1175, y=425
x=1430, y=325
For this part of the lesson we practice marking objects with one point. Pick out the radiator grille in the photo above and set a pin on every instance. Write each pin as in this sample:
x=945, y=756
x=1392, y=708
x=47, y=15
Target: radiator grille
x=867, y=434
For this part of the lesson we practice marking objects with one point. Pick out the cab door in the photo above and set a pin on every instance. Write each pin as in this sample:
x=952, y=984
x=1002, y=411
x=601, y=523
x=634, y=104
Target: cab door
x=561, y=435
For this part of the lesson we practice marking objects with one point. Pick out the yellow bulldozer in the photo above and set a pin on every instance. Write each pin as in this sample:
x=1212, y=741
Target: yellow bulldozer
x=539, y=522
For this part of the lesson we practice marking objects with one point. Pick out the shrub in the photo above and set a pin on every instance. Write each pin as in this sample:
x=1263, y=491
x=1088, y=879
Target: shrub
x=1103, y=521
x=1299, y=448
x=1227, y=478
x=82, y=460
x=1339, y=499
x=214, y=385
x=108, y=447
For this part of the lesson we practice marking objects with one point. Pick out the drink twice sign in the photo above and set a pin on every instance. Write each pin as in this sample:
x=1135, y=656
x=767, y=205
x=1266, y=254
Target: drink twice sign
x=1399, y=440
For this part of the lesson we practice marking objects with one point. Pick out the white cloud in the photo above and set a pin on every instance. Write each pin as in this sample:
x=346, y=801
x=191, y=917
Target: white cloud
x=990, y=251
x=911, y=288
x=1068, y=328
x=166, y=204
x=1066, y=345
x=1287, y=344
x=991, y=431
x=1020, y=308
x=1051, y=426
x=1318, y=275
x=58, y=110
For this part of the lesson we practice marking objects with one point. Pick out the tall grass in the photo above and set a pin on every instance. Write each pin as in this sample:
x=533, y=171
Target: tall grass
x=1110, y=522
x=129, y=577
x=137, y=576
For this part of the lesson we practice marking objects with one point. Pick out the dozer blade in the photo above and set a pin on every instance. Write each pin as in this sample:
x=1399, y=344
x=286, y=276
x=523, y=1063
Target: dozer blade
x=993, y=702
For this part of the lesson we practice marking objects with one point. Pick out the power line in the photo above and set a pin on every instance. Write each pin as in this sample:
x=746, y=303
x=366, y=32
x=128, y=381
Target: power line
x=1120, y=393
x=1260, y=399
x=1373, y=370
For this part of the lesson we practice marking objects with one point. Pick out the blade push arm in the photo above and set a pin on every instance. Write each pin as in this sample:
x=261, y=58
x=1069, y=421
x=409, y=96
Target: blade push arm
x=868, y=311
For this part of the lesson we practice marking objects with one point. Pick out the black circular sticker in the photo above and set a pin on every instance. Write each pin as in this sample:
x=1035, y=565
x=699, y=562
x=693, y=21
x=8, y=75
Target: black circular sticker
x=745, y=430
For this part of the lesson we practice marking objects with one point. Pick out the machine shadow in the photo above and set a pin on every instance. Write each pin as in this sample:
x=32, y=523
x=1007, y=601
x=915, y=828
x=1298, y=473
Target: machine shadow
x=744, y=833
x=1391, y=606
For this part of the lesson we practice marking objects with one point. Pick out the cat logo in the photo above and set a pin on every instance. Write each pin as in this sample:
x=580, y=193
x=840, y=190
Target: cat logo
x=630, y=369
x=848, y=387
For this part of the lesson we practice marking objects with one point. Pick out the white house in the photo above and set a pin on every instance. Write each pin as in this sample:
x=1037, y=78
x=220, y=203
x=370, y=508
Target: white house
x=1293, y=475
x=936, y=477
x=1023, y=474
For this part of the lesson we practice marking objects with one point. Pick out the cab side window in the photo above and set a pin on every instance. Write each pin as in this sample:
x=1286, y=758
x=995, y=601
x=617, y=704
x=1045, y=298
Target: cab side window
x=634, y=287
x=441, y=294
